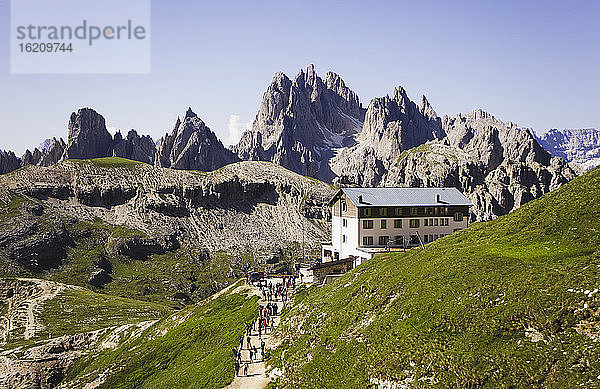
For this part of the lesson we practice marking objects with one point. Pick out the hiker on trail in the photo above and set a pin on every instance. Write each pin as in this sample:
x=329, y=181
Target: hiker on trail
x=251, y=354
x=248, y=341
x=272, y=324
x=262, y=348
x=259, y=331
x=237, y=368
x=255, y=352
x=246, y=369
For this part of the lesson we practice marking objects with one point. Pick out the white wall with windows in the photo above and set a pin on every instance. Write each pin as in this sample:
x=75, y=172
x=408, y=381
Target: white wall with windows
x=378, y=232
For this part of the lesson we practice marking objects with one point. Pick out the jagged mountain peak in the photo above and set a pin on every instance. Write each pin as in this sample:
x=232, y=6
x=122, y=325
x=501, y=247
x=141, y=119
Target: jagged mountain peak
x=189, y=114
x=192, y=146
x=300, y=122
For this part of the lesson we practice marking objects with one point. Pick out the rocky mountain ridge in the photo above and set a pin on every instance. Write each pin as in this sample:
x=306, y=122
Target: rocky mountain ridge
x=579, y=146
x=302, y=122
x=317, y=127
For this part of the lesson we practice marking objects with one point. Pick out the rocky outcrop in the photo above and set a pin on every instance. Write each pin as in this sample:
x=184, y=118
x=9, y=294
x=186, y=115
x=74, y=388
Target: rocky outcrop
x=498, y=166
x=579, y=146
x=192, y=146
x=141, y=248
x=36, y=246
x=392, y=125
x=8, y=162
x=302, y=122
x=134, y=147
x=88, y=136
x=50, y=152
x=256, y=204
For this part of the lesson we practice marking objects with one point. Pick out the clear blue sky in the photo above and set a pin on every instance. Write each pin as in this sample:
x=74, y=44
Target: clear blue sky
x=531, y=62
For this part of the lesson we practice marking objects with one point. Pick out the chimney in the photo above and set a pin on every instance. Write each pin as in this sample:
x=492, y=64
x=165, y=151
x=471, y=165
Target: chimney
x=360, y=200
x=438, y=198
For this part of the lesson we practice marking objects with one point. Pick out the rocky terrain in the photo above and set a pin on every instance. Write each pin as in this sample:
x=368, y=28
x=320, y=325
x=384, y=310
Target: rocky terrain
x=317, y=127
x=579, y=146
x=157, y=234
x=498, y=166
x=192, y=146
x=301, y=123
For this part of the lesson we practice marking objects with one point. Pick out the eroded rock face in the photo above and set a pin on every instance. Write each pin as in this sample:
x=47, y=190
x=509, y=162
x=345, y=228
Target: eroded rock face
x=256, y=204
x=88, y=136
x=36, y=246
x=392, y=125
x=498, y=166
x=8, y=162
x=192, y=146
x=301, y=122
x=134, y=147
x=579, y=146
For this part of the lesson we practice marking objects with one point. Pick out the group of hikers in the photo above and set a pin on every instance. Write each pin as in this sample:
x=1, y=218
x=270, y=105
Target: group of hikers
x=272, y=293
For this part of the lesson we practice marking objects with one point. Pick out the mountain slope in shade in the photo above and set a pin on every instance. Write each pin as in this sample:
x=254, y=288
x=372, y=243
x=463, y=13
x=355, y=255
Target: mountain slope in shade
x=192, y=146
x=8, y=161
x=88, y=136
x=302, y=122
x=580, y=146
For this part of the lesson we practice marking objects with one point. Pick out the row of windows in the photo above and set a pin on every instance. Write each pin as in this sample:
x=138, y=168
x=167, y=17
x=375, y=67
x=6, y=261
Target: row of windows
x=398, y=211
x=398, y=240
x=367, y=224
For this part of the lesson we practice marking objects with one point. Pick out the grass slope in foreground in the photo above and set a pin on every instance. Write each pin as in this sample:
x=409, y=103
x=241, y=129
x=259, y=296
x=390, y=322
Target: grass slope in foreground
x=509, y=303
x=191, y=348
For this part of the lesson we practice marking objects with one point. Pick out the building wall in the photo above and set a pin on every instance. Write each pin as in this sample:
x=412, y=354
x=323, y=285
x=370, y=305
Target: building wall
x=406, y=230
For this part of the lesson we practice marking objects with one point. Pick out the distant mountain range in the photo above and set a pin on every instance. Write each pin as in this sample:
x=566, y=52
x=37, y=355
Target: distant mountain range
x=579, y=146
x=318, y=127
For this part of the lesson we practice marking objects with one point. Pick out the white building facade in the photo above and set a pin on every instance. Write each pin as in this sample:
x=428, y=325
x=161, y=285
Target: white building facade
x=367, y=221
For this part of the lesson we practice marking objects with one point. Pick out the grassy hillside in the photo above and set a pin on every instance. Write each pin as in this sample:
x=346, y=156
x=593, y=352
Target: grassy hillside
x=191, y=348
x=509, y=303
x=68, y=311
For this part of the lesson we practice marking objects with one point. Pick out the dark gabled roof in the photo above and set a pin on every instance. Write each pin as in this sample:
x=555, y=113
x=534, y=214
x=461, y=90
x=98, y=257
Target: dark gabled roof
x=398, y=197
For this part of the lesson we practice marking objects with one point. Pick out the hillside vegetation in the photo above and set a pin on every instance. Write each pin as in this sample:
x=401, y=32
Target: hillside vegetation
x=508, y=303
x=191, y=348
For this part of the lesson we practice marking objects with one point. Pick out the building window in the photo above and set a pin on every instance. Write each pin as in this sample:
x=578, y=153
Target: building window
x=414, y=223
x=426, y=238
x=343, y=238
x=398, y=211
x=399, y=240
x=383, y=240
x=414, y=211
x=436, y=236
x=457, y=229
x=344, y=223
x=383, y=224
x=431, y=238
x=437, y=211
x=344, y=207
x=435, y=221
x=382, y=211
x=458, y=217
x=366, y=211
x=414, y=239
x=425, y=222
x=367, y=241
x=398, y=223
x=367, y=224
